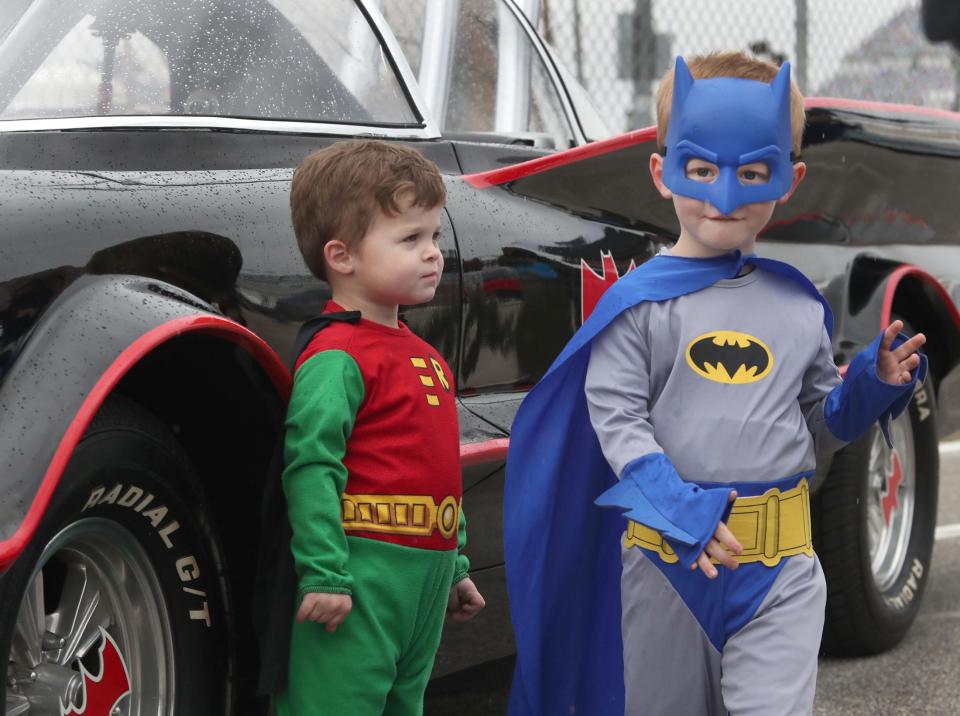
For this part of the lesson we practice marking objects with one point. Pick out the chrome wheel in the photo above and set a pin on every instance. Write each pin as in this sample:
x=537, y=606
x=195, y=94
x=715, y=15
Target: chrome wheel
x=891, y=495
x=93, y=580
x=873, y=524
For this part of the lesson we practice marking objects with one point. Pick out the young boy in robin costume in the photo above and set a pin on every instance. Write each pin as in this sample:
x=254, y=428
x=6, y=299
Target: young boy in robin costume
x=372, y=464
x=693, y=402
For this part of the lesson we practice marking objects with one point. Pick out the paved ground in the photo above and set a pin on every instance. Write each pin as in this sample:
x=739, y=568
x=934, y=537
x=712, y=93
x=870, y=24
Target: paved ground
x=920, y=676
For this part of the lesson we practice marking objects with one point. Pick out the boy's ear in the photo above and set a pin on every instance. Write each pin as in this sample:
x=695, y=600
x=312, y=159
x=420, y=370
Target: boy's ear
x=337, y=257
x=656, y=173
x=799, y=172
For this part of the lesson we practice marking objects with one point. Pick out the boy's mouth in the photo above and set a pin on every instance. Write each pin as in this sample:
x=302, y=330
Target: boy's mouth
x=723, y=218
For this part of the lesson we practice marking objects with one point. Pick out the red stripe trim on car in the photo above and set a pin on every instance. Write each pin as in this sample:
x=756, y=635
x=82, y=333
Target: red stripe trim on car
x=249, y=341
x=886, y=310
x=494, y=177
x=903, y=272
x=879, y=107
x=486, y=451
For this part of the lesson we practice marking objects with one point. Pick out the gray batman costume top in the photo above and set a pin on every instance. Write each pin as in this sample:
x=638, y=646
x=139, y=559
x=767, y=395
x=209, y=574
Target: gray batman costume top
x=654, y=384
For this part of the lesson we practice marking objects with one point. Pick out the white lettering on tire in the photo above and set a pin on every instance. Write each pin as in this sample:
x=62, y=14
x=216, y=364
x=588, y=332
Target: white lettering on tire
x=909, y=590
x=187, y=567
x=920, y=398
x=130, y=497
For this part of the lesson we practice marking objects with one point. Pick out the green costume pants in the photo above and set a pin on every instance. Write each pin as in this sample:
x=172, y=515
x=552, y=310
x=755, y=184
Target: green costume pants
x=379, y=659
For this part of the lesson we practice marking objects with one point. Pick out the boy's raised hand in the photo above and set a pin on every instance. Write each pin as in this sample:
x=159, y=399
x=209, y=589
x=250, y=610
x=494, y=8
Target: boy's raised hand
x=328, y=609
x=894, y=366
x=719, y=547
x=465, y=601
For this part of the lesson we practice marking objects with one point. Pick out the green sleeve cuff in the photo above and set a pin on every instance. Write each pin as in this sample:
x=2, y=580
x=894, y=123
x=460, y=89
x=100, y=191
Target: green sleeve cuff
x=323, y=589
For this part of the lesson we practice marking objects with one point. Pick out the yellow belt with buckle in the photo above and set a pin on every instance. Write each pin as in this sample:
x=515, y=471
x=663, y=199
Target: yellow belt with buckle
x=417, y=515
x=769, y=527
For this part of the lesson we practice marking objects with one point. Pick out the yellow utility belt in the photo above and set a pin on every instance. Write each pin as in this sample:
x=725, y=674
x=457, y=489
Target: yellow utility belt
x=769, y=527
x=417, y=515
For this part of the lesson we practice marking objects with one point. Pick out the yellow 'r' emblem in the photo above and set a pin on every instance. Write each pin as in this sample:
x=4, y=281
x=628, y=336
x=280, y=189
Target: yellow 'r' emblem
x=438, y=369
x=426, y=380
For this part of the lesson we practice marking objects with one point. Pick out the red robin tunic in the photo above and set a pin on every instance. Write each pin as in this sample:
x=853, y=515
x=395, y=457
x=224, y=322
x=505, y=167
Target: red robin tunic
x=372, y=449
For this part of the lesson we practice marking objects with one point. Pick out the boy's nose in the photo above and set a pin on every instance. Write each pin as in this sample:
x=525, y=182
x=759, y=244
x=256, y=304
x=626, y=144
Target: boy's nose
x=725, y=192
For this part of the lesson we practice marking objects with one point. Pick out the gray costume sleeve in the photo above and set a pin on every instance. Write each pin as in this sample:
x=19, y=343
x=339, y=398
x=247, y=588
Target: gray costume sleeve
x=820, y=378
x=650, y=491
x=617, y=387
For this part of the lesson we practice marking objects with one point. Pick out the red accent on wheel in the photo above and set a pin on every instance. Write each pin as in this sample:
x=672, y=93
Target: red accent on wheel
x=486, y=451
x=102, y=692
x=128, y=358
x=482, y=180
x=889, y=501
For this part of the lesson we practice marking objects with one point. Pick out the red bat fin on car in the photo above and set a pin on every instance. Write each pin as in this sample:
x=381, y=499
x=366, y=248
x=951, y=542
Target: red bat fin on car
x=101, y=693
x=593, y=285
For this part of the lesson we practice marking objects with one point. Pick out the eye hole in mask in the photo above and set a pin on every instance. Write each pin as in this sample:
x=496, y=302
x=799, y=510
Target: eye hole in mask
x=704, y=172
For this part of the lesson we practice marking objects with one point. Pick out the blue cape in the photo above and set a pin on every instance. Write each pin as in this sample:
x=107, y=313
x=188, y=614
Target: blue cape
x=561, y=551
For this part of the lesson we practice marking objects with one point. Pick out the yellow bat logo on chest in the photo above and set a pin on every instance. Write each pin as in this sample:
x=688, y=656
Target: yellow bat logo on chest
x=729, y=357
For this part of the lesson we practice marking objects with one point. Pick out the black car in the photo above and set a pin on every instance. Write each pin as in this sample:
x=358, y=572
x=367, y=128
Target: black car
x=151, y=288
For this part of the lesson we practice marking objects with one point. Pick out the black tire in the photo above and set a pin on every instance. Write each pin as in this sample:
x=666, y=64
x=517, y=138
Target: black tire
x=154, y=563
x=871, y=603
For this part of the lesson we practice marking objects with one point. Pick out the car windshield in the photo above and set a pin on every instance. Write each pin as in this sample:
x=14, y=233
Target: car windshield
x=479, y=70
x=305, y=60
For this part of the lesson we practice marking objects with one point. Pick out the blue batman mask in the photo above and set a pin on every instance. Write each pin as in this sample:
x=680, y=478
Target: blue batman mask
x=729, y=122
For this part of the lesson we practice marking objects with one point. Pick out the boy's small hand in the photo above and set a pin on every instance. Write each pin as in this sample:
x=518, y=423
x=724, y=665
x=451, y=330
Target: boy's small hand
x=328, y=609
x=465, y=601
x=719, y=547
x=895, y=366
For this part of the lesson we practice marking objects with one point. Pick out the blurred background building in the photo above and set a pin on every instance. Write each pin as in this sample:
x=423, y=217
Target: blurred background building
x=861, y=49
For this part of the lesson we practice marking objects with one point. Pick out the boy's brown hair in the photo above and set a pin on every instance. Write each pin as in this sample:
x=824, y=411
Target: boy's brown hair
x=337, y=190
x=729, y=64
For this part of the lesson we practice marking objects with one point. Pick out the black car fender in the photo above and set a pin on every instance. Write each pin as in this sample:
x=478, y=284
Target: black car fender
x=102, y=332
x=872, y=293
x=880, y=290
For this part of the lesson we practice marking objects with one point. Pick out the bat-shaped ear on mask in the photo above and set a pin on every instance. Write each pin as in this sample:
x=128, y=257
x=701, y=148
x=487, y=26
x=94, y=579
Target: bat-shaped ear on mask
x=682, y=84
x=780, y=88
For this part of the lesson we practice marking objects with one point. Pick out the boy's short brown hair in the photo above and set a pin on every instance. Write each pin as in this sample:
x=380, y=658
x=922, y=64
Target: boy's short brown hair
x=729, y=64
x=337, y=190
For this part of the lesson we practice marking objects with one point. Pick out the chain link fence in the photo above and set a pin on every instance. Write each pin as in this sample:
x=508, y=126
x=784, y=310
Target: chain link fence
x=860, y=49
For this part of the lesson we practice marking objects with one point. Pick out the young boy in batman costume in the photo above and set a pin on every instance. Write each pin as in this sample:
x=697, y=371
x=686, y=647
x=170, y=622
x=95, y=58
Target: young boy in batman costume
x=371, y=451
x=692, y=403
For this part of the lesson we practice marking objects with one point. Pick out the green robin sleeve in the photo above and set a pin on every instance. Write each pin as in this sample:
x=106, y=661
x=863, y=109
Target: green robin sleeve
x=328, y=390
